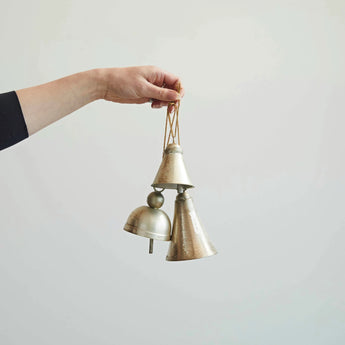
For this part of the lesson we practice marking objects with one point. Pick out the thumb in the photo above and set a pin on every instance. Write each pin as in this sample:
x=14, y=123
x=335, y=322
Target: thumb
x=161, y=93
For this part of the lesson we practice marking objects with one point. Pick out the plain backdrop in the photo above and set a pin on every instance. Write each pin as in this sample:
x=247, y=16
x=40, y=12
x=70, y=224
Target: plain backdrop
x=262, y=129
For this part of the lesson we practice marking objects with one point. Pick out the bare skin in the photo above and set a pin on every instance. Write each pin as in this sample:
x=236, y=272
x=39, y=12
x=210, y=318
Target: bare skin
x=47, y=103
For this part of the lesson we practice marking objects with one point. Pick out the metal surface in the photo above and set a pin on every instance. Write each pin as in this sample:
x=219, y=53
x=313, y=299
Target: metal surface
x=189, y=240
x=155, y=199
x=149, y=222
x=172, y=171
x=151, y=246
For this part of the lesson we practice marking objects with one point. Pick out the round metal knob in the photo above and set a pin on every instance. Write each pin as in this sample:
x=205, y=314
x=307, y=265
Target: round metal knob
x=155, y=199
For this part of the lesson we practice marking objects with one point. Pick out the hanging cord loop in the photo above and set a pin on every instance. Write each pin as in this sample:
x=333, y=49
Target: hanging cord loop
x=172, y=129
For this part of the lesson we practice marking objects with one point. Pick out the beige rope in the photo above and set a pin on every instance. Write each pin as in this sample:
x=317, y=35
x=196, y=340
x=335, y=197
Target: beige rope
x=173, y=123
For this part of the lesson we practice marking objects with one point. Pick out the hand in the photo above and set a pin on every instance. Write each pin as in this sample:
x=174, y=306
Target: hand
x=42, y=104
x=141, y=84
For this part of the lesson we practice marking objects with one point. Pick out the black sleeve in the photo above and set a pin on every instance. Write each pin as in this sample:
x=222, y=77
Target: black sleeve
x=12, y=124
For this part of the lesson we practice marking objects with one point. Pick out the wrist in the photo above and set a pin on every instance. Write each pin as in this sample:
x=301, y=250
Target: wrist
x=98, y=81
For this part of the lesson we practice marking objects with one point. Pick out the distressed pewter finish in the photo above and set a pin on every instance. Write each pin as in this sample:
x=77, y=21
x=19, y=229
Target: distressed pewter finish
x=149, y=222
x=189, y=240
x=155, y=199
x=172, y=171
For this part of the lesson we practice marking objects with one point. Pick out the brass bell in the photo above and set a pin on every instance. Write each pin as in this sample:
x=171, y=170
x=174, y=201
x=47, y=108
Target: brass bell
x=172, y=171
x=189, y=240
x=149, y=221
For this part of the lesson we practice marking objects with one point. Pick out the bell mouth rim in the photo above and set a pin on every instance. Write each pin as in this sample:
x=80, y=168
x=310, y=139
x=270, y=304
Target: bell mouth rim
x=171, y=185
x=189, y=259
x=144, y=233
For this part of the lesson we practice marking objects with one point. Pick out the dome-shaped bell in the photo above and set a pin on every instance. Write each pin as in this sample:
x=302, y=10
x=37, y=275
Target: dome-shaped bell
x=149, y=221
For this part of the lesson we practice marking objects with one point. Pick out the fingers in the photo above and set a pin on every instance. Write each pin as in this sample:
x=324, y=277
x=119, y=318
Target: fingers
x=169, y=78
x=159, y=104
x=156, y=103
x=160, y=87
x=173, y=82
x=161, y=93
x=181, y=91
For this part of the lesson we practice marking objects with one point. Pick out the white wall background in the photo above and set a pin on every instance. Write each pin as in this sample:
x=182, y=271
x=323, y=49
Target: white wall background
x=262, y=127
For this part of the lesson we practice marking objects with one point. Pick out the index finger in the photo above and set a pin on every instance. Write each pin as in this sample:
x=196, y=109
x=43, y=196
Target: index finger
x=172, y=81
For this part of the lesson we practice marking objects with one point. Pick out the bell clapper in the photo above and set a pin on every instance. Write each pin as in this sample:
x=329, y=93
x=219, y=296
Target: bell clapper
x=151, y=246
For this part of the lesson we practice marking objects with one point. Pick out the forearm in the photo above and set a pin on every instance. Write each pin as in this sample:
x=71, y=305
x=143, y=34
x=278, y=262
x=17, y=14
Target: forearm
x=26, y=111
x=47, y=103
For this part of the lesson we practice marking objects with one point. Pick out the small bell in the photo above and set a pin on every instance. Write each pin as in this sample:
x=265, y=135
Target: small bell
x=149, y=221
x=172, y=171
x=189, y=240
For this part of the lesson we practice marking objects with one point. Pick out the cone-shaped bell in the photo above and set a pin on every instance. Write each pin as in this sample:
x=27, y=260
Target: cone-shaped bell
x=189, y=240
x=150, y=221
x=172, y=171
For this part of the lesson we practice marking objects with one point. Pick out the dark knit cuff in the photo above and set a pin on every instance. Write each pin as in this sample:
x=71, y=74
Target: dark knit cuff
x=12, y=124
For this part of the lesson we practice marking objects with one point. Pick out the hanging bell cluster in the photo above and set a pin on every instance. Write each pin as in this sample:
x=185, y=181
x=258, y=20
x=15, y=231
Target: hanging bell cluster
x=188, y=239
